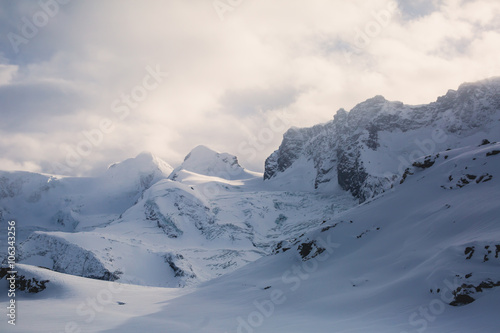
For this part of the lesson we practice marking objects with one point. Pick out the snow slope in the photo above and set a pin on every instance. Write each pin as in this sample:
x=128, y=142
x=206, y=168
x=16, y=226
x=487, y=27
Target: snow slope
x=391, y=264
x=75, y=304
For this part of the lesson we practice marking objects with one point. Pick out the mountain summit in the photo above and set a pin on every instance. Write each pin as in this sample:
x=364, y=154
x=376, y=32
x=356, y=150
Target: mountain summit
x=145, y=166
x=205, y=161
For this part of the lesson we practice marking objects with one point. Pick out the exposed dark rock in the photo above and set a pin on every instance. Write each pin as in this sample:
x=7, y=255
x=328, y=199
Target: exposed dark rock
x=469, y=251
x=462, y=300
x=462, y=293
x=406, y=174
x=329, y=227
x=30, y=285
x=309, y=250
x=427, y=163
x=280, y=248
x=305, y=249
x=107, y=276
x=485, y=142
x=484, y=178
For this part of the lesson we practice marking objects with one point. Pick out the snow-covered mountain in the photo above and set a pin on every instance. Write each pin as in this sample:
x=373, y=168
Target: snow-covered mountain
x=384, y=219
x=138, y=224
x=423, y=256
x=207, y=162
x=365, y=150
x=50, y=202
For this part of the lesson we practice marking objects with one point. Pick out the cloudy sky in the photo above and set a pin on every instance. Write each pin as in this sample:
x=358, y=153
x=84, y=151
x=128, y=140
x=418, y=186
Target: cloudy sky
x=87, y=83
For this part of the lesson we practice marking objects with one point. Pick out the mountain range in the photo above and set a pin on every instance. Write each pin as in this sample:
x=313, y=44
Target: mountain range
x=384, y=219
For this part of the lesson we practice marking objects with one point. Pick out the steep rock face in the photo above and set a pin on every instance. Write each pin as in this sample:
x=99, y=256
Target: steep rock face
x=348, y=150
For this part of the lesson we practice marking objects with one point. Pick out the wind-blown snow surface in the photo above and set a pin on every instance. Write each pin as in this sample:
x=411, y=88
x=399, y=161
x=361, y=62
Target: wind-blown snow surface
x=293, y=253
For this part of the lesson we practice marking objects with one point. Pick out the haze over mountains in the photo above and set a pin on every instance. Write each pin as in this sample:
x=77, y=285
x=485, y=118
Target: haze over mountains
x=356, y=224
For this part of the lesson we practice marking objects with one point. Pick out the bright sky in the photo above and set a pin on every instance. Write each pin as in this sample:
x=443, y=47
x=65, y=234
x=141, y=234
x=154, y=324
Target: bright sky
x=87, y=83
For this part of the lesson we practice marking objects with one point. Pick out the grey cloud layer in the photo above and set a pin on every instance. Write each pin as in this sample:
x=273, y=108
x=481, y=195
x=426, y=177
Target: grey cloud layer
x=228, y=80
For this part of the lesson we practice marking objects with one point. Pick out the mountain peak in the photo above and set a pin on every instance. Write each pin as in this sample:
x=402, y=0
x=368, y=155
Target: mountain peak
x=201, y=152
x=144, y=164
x=208, y=162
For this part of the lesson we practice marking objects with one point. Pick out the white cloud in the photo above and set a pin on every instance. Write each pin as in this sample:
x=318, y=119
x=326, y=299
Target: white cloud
x=7, y=72
x=227, y=79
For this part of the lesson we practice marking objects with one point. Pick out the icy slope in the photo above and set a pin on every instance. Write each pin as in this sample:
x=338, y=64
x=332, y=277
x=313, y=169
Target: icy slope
x=366, y=150
x=75, y=304
x=175, y=235
x=393, y=264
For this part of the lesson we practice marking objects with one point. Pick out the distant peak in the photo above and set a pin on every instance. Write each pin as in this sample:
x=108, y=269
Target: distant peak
x=143, y=157
x=206, y=161
x=145, y=154
x=202, y=154
x=203, y=148
x=377, y=98
x=201, y=151
x=144, y=162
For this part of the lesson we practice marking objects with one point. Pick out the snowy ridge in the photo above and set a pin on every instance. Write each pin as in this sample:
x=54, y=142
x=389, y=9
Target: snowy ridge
x=366, y=150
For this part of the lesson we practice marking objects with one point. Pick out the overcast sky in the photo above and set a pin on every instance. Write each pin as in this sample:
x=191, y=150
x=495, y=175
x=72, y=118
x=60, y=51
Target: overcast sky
x=87, y=83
